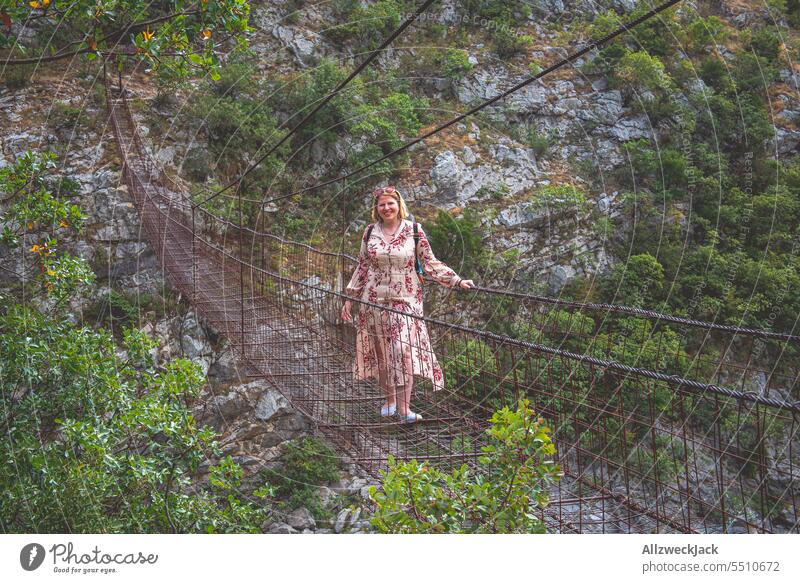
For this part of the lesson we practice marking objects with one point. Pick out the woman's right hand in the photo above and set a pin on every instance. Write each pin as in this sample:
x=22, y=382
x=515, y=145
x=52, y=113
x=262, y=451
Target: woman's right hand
x=346, y=311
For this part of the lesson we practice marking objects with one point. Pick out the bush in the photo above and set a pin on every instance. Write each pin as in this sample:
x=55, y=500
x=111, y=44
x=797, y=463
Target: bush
x=307, y=464
x=706, y=32
x=95, y=441
x=559, y=197
x=513, y=483
x=370, y=25
x=715, y=74
x=456, y=63
x=766, y=43
x=635, y=282
x=459, y=242
x=98, y=443
x=507, y=42
x=642, y=70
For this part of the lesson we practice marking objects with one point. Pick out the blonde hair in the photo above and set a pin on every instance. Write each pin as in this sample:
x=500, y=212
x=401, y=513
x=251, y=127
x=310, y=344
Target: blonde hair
x=395, y=194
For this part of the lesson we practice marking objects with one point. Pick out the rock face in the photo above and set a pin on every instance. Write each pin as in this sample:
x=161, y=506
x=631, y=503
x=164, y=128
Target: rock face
x=254, y=419
x=298, y=42
x=458, y=179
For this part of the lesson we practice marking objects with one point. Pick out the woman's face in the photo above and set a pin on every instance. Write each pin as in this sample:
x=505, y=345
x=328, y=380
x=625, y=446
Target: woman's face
x=388, y=209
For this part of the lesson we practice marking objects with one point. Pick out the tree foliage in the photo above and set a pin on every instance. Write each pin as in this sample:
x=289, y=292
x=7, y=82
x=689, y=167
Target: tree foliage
x=97, y=437
x=185, y=34
x=503, y=497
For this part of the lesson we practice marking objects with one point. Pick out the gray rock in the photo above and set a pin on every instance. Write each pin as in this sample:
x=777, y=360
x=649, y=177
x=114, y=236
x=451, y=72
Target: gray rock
x=301, y=46
x=446, y=171
x=281, y=528
x=514, y=156
x=697, y=85
x=341, y=520
x=469, y=155
x=224, y=367
x=475, y=132
x=272, y=404
x=166, y=155
x=786, y=141
x=521, y=214
x=559, y=277
x=530, y=99
x=301, y=519
x=791, y=78
x=564, y=87
x=568, y=105
x=483, y=85
x=232, y=405
x=606, y=108
x=448, y=13
x=631, y=128
x=326, y=495
x=605, y=201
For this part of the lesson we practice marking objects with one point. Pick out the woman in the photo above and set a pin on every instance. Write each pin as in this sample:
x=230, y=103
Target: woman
x=390, y=346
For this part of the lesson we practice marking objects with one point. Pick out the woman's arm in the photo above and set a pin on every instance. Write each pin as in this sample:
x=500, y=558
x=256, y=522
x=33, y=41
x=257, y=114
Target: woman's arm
x=440, y=272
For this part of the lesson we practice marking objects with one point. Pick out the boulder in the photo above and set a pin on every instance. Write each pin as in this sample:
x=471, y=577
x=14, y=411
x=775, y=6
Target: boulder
x=301, y=519
x=559, y=277
x=272, y=404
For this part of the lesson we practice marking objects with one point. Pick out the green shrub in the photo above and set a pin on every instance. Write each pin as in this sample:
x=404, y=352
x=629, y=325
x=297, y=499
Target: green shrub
x=306, y=464
x=456, y=63
x=642, y=70
x=63, y=115
x=470, y=368
x=458, y=241
x=766, y=43
x=706, y=32
x=559, y=197
x=715, y=74
x=370, y=25
x=506, y=42
x=538, y=142
x=95, y=443
x=515, y=476
x=634, y=283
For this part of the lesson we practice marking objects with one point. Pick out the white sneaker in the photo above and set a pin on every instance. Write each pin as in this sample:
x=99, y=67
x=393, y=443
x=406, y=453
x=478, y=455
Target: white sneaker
x=387, y=411
x=411, y=417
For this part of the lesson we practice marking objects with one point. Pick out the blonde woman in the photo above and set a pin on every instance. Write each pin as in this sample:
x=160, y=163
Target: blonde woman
x=391, y=347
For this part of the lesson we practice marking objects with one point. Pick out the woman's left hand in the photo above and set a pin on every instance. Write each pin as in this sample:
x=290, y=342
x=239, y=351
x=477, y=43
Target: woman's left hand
x=466, y=283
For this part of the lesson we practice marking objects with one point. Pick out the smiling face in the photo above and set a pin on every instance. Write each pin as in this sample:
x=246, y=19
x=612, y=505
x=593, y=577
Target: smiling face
x=388, y=208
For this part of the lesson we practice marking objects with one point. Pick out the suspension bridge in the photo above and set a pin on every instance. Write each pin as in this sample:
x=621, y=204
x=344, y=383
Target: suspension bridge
x=661, y=423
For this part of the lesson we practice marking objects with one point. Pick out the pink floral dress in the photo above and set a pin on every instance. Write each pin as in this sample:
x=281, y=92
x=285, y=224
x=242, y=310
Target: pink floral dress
x=385, y=275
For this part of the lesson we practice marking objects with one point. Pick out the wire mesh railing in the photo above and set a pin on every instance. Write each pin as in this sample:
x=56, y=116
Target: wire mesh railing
x=659, y=426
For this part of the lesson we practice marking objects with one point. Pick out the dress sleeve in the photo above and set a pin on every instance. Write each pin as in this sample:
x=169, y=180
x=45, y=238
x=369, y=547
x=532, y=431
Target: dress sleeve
x=361, y=273
x=440, y=272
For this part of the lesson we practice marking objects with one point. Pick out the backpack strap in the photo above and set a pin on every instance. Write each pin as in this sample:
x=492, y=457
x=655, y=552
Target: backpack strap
x=417, y=264
x=368, y=233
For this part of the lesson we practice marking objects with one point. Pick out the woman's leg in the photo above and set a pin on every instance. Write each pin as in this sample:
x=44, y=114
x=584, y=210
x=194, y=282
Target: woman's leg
x=404, y=391
x=384, y=379
x=407, y=372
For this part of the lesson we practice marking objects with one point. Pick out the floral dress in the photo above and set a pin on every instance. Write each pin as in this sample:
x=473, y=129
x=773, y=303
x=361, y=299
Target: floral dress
x=385, y=275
